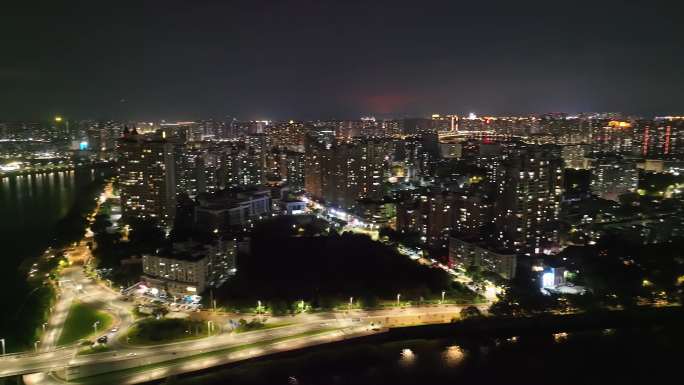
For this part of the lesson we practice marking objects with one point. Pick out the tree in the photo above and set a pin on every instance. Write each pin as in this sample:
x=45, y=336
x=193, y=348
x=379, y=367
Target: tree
x=326, y=270
x=470, y=312
x=160, y=311
x=146, y=233
x=522, y=297
x=475, y=273
x=183, y=224
x=100, y=224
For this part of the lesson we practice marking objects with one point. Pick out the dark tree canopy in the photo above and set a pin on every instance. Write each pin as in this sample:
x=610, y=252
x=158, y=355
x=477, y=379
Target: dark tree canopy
x=283, y=267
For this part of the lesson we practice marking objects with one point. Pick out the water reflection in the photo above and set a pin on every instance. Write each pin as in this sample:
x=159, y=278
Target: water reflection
x=560, y=337
x=453, y=355
x=29, y=204
x=407, y=358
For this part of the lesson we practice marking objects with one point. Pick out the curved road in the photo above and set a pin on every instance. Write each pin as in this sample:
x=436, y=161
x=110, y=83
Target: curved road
x=190, y=355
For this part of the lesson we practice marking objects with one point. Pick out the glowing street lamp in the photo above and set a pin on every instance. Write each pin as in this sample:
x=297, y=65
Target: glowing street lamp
x=398, y=298
x=95, y=325
x=351, y=303
x=35, y=345
x=2, y=340
x=58, y=119
x=443, y=292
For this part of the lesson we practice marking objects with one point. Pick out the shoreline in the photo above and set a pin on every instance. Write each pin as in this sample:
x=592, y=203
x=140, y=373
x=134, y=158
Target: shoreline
x=73, y=167
x=33, y=307
x=476, y=329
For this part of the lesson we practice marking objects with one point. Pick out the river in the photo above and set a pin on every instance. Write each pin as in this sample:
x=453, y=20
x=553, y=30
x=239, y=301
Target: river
x=30, y=208
x=626, y=356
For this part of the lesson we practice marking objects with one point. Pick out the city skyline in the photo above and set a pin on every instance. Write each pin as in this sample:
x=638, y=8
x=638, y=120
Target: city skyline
x=349, y=192
x=310, y=60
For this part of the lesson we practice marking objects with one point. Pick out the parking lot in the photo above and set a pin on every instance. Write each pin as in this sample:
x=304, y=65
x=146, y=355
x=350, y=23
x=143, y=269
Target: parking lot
x=153, y=297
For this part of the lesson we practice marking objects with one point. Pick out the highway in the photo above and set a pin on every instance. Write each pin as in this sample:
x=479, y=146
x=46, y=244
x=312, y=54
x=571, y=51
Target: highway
x=165, y=365
x=354, y=320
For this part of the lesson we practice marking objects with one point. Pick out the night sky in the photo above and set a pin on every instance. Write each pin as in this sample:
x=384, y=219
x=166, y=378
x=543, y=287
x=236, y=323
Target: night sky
x=320, y=59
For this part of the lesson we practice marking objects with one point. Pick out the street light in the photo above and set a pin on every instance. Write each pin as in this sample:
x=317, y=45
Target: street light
x=35, y=345
x=2, y=340
x=398, y=298
x=44, y=325
x=351, y=303
x=443, y=292
x=95, y=325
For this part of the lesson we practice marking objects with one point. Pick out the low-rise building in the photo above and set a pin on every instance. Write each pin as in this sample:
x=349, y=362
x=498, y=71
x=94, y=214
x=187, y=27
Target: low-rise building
x=377, y=213
x=189, y=268
x=292, y=206
x=477, y=252
x=174, y=275
x=222, y=210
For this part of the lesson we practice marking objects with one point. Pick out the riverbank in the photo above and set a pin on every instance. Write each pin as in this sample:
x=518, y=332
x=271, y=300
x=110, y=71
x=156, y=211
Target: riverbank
x=571, y=349
x=52, y=168
x=39, y=212
x=545, y=323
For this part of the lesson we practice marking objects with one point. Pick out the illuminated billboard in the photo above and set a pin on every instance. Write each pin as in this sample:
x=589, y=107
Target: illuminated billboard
x=548, y=278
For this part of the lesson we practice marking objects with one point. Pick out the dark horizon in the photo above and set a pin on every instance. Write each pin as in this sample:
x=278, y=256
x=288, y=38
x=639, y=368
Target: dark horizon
x=318, y=59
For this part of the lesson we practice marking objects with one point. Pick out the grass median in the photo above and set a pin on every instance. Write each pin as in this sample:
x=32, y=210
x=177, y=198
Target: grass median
x=79, y=323
x=162, y=331
x=255, y=325
x=95, y=349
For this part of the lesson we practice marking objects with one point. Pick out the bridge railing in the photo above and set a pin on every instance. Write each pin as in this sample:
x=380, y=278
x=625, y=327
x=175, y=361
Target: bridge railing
x=28, y=354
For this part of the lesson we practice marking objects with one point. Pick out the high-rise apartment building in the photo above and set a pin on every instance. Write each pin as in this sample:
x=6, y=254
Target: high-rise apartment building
x=529, y=205
x=612, y=177
x=576, y=156
x=147, y=177
x=659, y=138
x=342, y=173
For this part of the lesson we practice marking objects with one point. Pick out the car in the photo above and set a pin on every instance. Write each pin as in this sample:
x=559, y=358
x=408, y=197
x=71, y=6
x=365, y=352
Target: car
x=114, y=330
x=102, y=340
x=132, y=354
